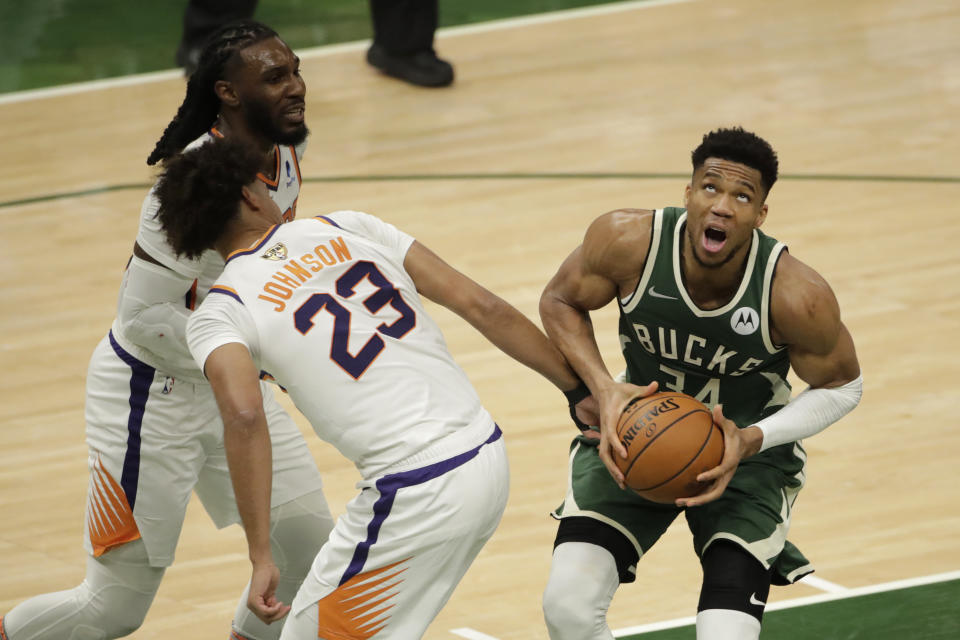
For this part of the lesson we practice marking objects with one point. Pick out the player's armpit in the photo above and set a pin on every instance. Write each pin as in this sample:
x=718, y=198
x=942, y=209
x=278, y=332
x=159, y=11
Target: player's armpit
x=143, y=255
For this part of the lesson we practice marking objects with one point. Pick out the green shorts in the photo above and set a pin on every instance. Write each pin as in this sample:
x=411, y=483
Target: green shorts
x=754, y=511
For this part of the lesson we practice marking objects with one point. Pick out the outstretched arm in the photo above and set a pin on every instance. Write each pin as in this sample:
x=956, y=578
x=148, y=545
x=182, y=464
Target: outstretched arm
x=499, y=322
x=607, y=264
x=236, y=385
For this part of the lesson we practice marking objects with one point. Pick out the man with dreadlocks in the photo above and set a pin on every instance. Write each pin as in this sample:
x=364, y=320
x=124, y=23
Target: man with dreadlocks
x=153, y=427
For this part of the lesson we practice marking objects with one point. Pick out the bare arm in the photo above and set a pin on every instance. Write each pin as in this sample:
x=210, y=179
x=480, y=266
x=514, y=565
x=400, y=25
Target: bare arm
x=236, y=385
x=608, y=263
x=806, y=318
x=502, y=324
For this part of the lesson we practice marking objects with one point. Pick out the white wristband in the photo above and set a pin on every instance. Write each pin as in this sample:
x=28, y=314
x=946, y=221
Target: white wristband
x=810, y=413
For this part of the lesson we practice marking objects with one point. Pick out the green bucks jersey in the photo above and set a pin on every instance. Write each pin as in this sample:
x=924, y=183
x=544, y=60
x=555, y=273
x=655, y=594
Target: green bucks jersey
x=719, y=356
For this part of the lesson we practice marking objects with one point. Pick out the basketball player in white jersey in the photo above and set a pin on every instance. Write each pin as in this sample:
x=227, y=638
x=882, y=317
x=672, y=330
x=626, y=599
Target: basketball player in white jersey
x=153, y=428
x=330, y=307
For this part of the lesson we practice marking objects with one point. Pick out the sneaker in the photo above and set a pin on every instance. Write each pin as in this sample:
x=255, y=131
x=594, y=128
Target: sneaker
x=423, y=68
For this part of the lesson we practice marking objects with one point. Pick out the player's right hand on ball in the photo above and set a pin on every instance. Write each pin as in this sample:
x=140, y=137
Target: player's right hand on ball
x=612, y=401
x=262, y=600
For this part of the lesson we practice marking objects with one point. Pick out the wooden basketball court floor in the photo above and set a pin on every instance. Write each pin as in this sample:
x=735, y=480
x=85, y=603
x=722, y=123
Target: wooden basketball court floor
x=553, y=121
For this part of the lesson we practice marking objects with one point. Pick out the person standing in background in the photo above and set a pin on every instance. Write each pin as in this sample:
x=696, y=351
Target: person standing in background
x=402, y=45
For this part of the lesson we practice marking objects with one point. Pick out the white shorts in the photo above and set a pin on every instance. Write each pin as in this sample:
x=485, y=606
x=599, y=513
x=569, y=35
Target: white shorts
x=154, y=439
x=396, y=555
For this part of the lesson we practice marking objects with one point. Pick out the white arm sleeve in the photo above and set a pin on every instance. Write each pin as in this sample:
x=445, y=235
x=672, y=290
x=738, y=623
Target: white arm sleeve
x=220, y=320
x=810, y=413
x=151, y=312
x=153, y=240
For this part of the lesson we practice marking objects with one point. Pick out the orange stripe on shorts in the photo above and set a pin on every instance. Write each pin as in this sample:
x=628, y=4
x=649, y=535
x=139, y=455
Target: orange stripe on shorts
x=355, y=609
x=110, y=521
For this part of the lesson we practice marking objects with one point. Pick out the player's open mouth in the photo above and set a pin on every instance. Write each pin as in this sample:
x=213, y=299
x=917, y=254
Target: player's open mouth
x=714, y=239
x=294, y=115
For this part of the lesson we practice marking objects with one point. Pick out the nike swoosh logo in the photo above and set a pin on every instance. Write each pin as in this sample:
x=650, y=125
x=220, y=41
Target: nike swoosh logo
x=659, y=295
x=755, y=602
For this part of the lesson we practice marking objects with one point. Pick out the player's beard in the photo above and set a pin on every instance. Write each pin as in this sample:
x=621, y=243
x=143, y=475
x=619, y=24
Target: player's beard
x=260, y=119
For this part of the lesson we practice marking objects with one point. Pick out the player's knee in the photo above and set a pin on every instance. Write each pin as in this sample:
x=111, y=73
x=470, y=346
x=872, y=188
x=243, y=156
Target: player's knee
x=583, y=579
x=733, y=580
x=117, y=609
x=123, y=622
x=121, y=586
x=300, y=527
x=566, y=613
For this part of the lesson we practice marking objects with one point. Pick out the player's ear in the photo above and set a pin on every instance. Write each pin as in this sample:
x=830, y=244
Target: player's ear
x=686, y=196
x=226, y=93
x=249, y=197
x=761, y=217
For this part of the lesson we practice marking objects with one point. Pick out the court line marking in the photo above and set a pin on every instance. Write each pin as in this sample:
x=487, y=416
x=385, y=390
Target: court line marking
x=340, y=47
x=799, y=602
x=823, y=585
x=470, y=634
x=93, y=191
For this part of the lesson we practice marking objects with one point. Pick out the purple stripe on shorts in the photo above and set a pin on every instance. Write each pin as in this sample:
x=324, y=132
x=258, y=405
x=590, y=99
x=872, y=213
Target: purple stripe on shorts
x=140, y=380
x=388, y=486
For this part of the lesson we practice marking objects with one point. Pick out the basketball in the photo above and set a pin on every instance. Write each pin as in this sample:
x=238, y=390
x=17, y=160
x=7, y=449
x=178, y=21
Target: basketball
x=670, y=439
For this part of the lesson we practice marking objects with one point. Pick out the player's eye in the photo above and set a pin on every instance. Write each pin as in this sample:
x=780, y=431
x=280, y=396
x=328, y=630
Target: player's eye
x=742, y=197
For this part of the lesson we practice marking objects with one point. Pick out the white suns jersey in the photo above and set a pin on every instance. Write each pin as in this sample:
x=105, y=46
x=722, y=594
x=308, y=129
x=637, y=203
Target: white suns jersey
x=326, y=308
x=198, y=274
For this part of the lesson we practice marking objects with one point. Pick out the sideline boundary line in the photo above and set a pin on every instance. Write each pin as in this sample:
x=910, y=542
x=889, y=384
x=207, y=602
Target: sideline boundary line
x=799, y=602
x=809, y=177
x=340, y=47
x=470, y=634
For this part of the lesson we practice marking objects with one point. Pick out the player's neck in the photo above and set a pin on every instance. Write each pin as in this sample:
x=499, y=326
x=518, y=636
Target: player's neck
x=233, y=128
x=711, y=287
x=242, y=235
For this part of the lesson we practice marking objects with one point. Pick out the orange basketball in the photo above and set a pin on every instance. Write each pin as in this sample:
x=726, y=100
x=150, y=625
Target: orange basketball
x=670, y=439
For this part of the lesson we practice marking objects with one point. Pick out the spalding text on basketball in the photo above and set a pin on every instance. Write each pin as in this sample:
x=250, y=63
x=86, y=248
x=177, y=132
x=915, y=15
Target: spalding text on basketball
x=642, y=423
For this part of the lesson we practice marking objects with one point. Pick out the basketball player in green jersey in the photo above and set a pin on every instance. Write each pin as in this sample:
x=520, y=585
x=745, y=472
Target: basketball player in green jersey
x=712, y=307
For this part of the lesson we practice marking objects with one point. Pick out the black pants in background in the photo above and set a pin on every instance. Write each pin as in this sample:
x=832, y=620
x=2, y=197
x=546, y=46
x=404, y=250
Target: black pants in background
x=404, y=27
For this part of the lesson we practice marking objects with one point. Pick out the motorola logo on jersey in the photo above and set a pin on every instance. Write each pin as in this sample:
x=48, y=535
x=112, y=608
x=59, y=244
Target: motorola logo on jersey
x=276, y=252
x=745, y=321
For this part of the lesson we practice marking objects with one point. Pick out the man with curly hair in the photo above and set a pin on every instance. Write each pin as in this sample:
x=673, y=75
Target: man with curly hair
x=331, y=307
x=712, y=307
